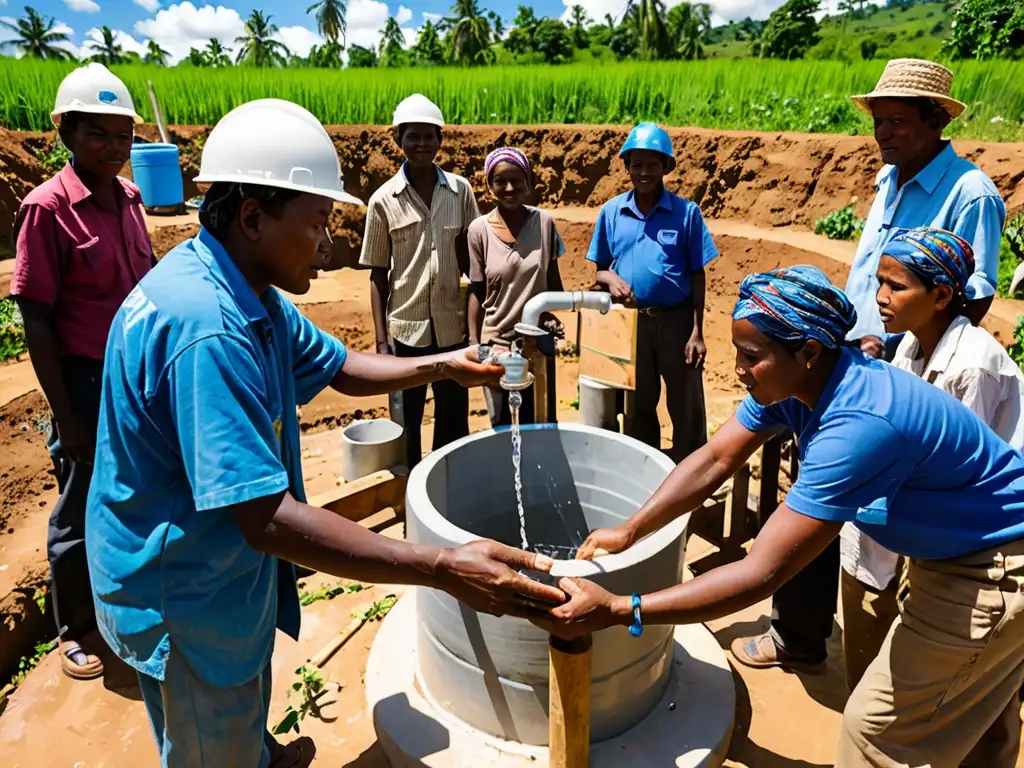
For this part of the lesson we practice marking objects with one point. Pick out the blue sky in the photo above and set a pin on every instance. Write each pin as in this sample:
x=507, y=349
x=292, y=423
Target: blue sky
x=179, y=25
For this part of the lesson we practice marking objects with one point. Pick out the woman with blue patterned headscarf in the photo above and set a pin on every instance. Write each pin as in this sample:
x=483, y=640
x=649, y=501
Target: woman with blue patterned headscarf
x=899, y=459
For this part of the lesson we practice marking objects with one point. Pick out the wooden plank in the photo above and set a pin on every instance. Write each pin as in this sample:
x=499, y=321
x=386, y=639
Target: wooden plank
x=606, y=370
x=366, y=496
x=739, y=527
x=612, y=334
x=569, y=702
x=771, y=461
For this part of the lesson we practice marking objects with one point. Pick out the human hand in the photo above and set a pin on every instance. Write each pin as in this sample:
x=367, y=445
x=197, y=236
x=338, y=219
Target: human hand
x=696, y=351
x=620, y=290
x=76, y=439
x=872, y=346
x=463, y=366
x=481, y=574
x=611, y=540
x=590, y=609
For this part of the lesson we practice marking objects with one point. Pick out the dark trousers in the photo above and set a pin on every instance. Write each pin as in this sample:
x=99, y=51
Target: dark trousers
x=70, y=585
x=661, y=354
x=451, y=407
x=802, y=610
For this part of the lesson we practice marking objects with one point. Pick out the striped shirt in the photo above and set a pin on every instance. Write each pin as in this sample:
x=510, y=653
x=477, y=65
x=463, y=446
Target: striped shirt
x=417, y=245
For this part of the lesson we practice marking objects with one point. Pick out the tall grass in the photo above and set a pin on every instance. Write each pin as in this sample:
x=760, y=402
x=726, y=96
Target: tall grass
x=746, y=94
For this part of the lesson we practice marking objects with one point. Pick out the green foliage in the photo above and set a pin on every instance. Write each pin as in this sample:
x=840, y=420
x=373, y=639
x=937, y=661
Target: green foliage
x=378, y=610
x=361, y=58
x=310, y=686
x=790, y=31
x=39, y=598
x=1011, y=254
x=551, y=40
x=842, y=224
x=36, y=37
x=12, y=330
x=392, y=45
x=53, y=158
x=326, y=592
x=428, y=49
x=1016, y=350
x=27, y=663
x=259, y=46
x=748, y=95
x=985, y=29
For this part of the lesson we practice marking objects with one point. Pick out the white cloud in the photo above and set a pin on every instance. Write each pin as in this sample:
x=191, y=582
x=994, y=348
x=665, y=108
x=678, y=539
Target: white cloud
x=83, y=6
x=149, y=6
x=93, y=38
x=365, y=20
x=183, y=26
x=432, y=17
x=410, y=36
x=404, y=15
x=299, y=40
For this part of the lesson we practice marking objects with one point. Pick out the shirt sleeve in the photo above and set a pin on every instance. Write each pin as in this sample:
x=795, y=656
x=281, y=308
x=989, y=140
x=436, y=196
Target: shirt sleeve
x=376, y=237
x=702, y=249
x=979, y=390
x=317, y=357
x=857, y=460
x=762, y=418
x=981, y=224
x=227, y=438
x=600, y=251
x=37, y=256
x=477, y=255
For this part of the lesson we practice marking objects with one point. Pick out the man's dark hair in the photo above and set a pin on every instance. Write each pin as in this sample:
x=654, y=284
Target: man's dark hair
x=402, y=126
x=68, y=123
x=224, y=200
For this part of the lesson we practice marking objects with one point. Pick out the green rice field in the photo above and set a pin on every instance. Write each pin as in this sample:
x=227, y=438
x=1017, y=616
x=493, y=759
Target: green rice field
x=745, y=94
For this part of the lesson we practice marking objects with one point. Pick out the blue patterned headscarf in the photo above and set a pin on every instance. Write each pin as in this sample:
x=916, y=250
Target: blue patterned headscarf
x=935, y=256
x=796, y=304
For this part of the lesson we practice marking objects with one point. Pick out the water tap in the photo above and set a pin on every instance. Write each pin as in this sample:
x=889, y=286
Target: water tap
x=517, y=374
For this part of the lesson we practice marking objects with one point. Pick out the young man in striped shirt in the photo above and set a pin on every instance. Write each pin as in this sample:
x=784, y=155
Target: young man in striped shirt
x=415, y=224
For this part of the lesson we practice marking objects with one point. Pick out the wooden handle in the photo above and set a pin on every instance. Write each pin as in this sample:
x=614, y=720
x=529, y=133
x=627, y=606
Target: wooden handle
x=325, y=653
x=569, y=702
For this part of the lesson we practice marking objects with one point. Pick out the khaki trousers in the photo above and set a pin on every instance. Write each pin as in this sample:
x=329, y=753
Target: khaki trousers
x=943, y=690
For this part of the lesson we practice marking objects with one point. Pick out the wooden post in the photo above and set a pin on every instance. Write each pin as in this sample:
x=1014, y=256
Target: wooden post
x=771, y=464
x=569, y=702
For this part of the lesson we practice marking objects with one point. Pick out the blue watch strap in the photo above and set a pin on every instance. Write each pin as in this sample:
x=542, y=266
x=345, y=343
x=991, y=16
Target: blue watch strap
x=637, y=627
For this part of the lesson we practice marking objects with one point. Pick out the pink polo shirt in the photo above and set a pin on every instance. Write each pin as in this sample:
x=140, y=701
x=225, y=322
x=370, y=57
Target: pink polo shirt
x=80, y=258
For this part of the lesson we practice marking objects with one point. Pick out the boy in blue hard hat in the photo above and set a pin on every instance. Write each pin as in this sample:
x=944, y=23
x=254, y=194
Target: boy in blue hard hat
x=650, y=247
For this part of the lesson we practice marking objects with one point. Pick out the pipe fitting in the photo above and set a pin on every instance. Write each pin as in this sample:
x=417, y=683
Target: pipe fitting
x=553, y=301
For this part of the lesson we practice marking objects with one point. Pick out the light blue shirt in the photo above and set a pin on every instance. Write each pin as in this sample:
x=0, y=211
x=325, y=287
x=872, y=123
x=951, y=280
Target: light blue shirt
x=907, y=463
x=655, y=254
x=949, y=193
x=200, y=387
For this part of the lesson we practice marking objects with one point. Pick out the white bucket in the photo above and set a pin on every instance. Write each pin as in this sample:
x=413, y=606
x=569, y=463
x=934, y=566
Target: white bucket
x=370, y=446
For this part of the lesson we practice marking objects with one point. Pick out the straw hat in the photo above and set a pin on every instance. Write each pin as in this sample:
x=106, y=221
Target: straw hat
x=914, y=79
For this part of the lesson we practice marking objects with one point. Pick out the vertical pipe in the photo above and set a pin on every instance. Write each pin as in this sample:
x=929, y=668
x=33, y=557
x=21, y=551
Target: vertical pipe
x=569, y=702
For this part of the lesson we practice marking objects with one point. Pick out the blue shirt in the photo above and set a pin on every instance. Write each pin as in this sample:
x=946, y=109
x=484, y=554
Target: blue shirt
x=949, y=193
x=907, y=463
x=654, y=254
x=200, y=387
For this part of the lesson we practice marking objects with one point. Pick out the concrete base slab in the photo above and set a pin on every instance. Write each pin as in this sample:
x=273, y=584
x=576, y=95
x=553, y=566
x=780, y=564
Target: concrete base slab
x=689, y=728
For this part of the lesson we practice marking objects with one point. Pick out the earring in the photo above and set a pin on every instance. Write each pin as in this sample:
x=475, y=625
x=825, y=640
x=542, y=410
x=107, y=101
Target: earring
x=808, y=365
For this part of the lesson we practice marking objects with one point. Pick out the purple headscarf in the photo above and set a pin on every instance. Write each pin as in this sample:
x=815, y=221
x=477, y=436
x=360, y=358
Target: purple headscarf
x=507, y=155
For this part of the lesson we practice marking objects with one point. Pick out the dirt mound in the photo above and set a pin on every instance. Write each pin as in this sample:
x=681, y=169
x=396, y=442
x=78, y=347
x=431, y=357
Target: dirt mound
x=20, y=173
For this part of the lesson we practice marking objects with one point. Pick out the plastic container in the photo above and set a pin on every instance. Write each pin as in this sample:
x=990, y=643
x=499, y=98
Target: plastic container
x=157, y=174
x=370, y=446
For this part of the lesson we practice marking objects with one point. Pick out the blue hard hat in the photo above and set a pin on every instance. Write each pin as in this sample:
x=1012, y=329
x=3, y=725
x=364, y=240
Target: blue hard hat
x=650, y=136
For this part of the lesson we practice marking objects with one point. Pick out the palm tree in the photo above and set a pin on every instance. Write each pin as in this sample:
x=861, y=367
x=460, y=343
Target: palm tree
x=216, y=54
x=469, y=34
x=428, y=48
x=326, y=56
x=497, y=24
x=610, y=22
x=578, y=17
x=259, y=48
x=36, y=36
x=392, y=43
x=688, y=24
x=330, y=19
x=155, y=54
x=107, y=51
x=196, y=58
x=648, y=16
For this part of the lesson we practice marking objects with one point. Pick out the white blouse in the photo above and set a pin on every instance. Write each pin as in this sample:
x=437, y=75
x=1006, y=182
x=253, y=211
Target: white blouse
x=973, y=367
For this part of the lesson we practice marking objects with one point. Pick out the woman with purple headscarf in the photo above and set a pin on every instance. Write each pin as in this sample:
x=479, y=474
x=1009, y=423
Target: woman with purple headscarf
x=513, y=256
x=922, y=294
x=905, y=463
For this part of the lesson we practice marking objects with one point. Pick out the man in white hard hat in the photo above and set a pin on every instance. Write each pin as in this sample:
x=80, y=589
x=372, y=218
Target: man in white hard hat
x=414, y=241
x=82, y=246
x=197, y=511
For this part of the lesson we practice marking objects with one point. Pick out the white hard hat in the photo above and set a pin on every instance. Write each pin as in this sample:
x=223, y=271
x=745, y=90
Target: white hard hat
x=96, y=90
x=418, y=109
x=274, y=143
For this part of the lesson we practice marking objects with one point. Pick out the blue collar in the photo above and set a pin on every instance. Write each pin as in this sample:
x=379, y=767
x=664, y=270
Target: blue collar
x=403, y=180
x=226, y=272
x=928, y=178
x=665, y=203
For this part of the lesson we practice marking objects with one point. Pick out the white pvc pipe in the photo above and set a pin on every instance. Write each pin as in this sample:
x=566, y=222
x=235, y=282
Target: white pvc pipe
x=552, y=301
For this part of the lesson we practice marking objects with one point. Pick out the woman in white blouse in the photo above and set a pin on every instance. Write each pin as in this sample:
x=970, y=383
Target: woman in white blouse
x=922, y=279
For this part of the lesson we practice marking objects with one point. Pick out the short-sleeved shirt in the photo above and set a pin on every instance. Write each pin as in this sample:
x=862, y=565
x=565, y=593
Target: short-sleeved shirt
x=513, y=274
x=417, y=246
x=907, y=463
x=198, y=413
x=80, y=257
x=654, y=254
x=949, y=193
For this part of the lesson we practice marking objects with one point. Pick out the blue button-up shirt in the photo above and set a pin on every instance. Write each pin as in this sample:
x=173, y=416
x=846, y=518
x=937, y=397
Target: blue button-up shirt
x=654, y=254
x=200, y=387
x=949, y=193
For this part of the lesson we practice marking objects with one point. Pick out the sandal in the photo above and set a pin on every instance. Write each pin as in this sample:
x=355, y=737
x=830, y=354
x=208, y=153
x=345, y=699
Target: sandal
x=77, y=663
x=295, y=754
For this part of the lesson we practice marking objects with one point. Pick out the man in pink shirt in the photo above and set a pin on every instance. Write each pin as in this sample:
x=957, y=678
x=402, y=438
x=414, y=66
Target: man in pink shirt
x=82, y=246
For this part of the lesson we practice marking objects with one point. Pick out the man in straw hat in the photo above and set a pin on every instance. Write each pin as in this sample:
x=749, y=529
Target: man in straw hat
x=924, y=183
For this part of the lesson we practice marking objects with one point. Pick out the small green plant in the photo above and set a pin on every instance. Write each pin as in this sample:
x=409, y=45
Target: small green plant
x=53, y=158
x=310, y=686
x=12, y=330
x=378, y=610
x=1011, y=253
x=39, y=596
x=842, y=224
x=27, y=663
x=1016, y=350
x=326, y=592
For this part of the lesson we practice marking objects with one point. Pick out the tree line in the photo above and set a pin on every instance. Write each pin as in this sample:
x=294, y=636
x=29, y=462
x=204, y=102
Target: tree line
x=472, y=36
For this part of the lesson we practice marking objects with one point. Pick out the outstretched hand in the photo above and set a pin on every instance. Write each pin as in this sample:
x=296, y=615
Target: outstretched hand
x=483, y=575
x=590, y=609
x=463, y=366
x=605, y=541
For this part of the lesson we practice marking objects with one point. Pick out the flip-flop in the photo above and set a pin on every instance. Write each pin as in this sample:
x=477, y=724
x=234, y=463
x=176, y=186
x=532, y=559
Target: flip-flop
x=72, y=666
x=295, y=754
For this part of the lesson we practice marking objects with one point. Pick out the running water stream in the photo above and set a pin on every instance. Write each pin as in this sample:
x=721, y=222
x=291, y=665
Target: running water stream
x=515, y=400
